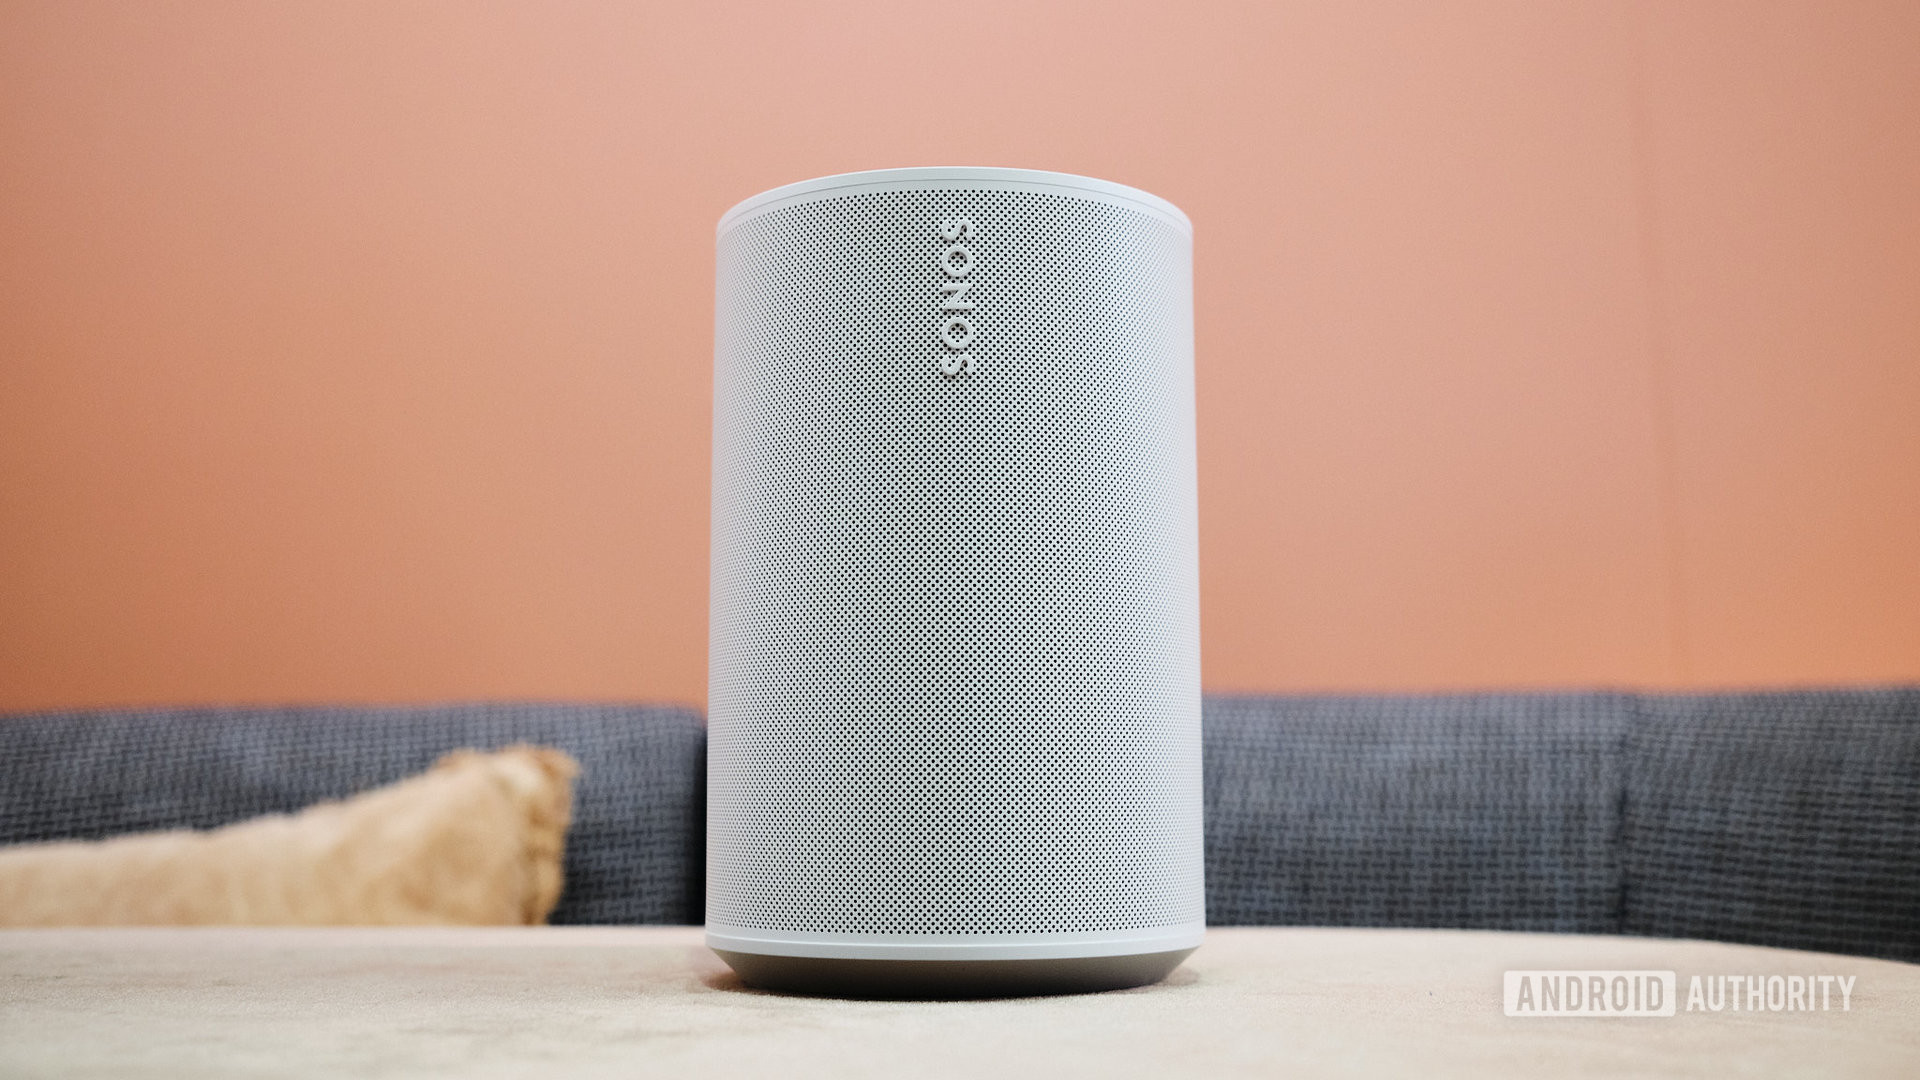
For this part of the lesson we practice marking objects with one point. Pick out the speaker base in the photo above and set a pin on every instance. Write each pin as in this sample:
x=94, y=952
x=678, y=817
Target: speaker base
x=949, y=979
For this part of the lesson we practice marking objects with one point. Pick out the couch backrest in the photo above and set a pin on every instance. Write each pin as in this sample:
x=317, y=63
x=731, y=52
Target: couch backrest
x=1787, y=818
x=1497, y=811
x=635, y=853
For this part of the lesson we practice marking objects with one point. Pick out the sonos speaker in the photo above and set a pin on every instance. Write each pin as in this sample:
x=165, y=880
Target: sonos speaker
x=954, y=712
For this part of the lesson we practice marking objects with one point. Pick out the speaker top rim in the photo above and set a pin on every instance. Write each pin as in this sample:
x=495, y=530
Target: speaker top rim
x=950, y=177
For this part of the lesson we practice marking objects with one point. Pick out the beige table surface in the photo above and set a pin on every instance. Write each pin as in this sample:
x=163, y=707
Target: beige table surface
x=588, y=1002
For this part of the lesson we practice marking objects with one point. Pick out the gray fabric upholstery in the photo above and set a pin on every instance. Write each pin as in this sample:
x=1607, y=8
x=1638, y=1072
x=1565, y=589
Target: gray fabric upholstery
x=1493, y=812
x=635, y=853
x=1788, y=818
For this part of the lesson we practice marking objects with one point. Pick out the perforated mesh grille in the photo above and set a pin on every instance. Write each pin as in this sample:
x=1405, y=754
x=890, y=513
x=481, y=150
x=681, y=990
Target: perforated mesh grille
x=955, y=667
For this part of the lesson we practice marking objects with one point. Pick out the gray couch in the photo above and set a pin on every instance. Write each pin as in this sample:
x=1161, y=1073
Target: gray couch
x=1788, y=818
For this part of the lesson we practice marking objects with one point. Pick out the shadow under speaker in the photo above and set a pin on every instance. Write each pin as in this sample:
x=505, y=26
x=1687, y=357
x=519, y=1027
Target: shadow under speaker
x=954, y=712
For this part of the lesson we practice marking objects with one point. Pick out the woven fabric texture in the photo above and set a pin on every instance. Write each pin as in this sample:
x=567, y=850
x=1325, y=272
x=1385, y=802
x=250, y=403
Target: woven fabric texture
x=635, y=853
x=1495, y=812
x=1777, y=819
x=1787, y=818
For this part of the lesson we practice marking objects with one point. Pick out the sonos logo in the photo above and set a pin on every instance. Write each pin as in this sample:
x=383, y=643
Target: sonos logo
x=956, y=311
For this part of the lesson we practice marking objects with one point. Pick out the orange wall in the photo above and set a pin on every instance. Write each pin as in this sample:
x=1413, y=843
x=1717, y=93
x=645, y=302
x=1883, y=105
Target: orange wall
x=361, y=350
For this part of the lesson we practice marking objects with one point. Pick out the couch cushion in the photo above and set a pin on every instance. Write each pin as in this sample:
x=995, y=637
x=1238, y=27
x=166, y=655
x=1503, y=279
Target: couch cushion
x=1786, y=818
x=635, y=852
x=1493, y=811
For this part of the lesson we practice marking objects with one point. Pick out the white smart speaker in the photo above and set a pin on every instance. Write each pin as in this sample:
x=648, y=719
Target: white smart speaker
x=954, y=714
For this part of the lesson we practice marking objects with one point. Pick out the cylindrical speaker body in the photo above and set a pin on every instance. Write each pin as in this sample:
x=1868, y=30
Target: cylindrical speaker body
x=954, y=712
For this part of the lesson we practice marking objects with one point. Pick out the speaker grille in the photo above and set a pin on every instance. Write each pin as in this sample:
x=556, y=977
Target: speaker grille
x=955, y=664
